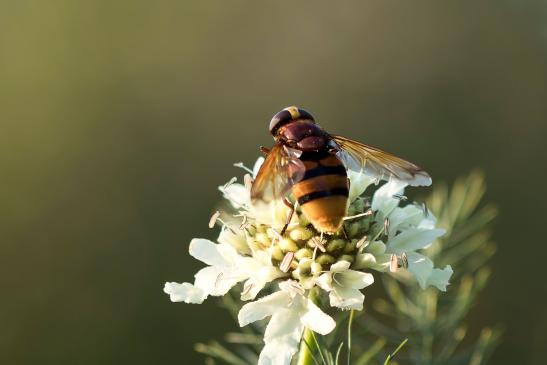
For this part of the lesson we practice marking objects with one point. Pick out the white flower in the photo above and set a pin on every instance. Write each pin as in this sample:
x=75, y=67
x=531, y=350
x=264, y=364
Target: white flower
x=384, y=199
x=237, y=194
x=290, y=312
x=344, y=284
x=409, y=230
x=236, y=239
x=426, y=275
x=227, y=268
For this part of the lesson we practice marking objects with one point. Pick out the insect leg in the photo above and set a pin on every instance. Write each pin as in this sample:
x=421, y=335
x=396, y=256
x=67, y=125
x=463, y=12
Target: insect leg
x=345, y=232
x=264, y=150
x=289, y=217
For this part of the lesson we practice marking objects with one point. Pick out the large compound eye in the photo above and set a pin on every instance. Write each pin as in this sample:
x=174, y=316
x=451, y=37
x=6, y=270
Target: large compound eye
x=305, y=115
x=287, y=115
x=278, y=120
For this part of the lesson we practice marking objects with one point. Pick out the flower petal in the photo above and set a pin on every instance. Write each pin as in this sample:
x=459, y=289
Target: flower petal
x=355, y=279
x=285, y=323
x=376, y=248
x=413, y=239
x=316, y=320
x=383, y=199
x=184, y=292
x=262, y=308
x=325, y=281
x=251, y=288
x=258, y=280
x=439, y=278
x=216, y=281
x=257, y=165
x=408, y=216
x=237, y=194
x=422, y=268
x=364, y=261
x=340, y=266
x=358, y=184
x=237, y=240
x=211, y=253
x=346, y=298
x=278, y=352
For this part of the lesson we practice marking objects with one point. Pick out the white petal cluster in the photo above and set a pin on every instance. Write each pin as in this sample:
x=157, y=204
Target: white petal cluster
x=290, y=312
x=226, y=269
x=250, y=250
x=410, y=230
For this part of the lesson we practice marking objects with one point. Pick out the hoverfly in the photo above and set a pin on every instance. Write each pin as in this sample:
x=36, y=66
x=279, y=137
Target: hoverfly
x=313, y=164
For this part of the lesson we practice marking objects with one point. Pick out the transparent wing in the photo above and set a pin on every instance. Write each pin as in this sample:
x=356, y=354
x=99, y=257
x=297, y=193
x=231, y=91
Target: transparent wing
x=373, y=161
x=279, y=172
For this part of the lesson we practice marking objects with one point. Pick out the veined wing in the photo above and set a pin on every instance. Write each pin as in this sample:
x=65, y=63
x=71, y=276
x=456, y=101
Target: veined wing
x=373, y=161
x=279, y=172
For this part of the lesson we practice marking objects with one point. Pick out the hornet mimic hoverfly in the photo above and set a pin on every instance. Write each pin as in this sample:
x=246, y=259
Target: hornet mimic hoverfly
x=312, y=163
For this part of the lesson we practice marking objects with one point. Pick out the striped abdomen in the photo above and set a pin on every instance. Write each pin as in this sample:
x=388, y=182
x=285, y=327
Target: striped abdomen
x=323, y=191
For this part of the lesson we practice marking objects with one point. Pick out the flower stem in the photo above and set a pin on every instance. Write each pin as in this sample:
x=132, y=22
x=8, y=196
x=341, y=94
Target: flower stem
x=350, y=323
x=308, y=344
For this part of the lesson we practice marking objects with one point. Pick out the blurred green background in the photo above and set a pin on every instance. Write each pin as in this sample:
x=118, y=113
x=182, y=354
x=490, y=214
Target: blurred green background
x=119, y=119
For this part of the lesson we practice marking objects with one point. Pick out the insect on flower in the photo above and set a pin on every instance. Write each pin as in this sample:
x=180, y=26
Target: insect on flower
x=313, y=164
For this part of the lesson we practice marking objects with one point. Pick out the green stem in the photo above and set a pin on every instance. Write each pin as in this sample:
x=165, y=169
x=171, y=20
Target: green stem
x=307, y=345
x=350, y=323
x=305, y=356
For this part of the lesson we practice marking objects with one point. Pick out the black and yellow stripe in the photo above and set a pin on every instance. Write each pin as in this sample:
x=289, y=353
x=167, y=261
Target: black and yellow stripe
x=323, y=191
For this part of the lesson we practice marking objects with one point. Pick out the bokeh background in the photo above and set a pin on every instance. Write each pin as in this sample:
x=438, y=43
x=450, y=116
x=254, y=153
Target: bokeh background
x=119, y=119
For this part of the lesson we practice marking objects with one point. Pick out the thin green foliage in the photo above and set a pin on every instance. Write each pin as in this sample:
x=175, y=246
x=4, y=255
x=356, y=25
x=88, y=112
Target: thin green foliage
x=392, y=355
x=311, y=351
x=318, y=347
x=350, y=324
x=337, y=358
x=435, y=321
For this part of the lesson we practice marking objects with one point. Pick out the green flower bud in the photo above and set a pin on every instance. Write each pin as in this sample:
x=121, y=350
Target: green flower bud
x=304, y=268
x=325, y=259
x=300, y=234
x=277, y=253
x=303, y=253
x=316, y=268
x=335, y=246
x=354, y=228
x=287, y=245
x=348, y=258
x=350, y=246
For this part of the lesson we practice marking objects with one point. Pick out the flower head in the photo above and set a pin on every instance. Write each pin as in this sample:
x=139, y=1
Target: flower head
x=251, y=249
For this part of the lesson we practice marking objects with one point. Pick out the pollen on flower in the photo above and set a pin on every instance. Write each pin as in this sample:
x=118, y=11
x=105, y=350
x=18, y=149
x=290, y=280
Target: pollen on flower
x=303, y=242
